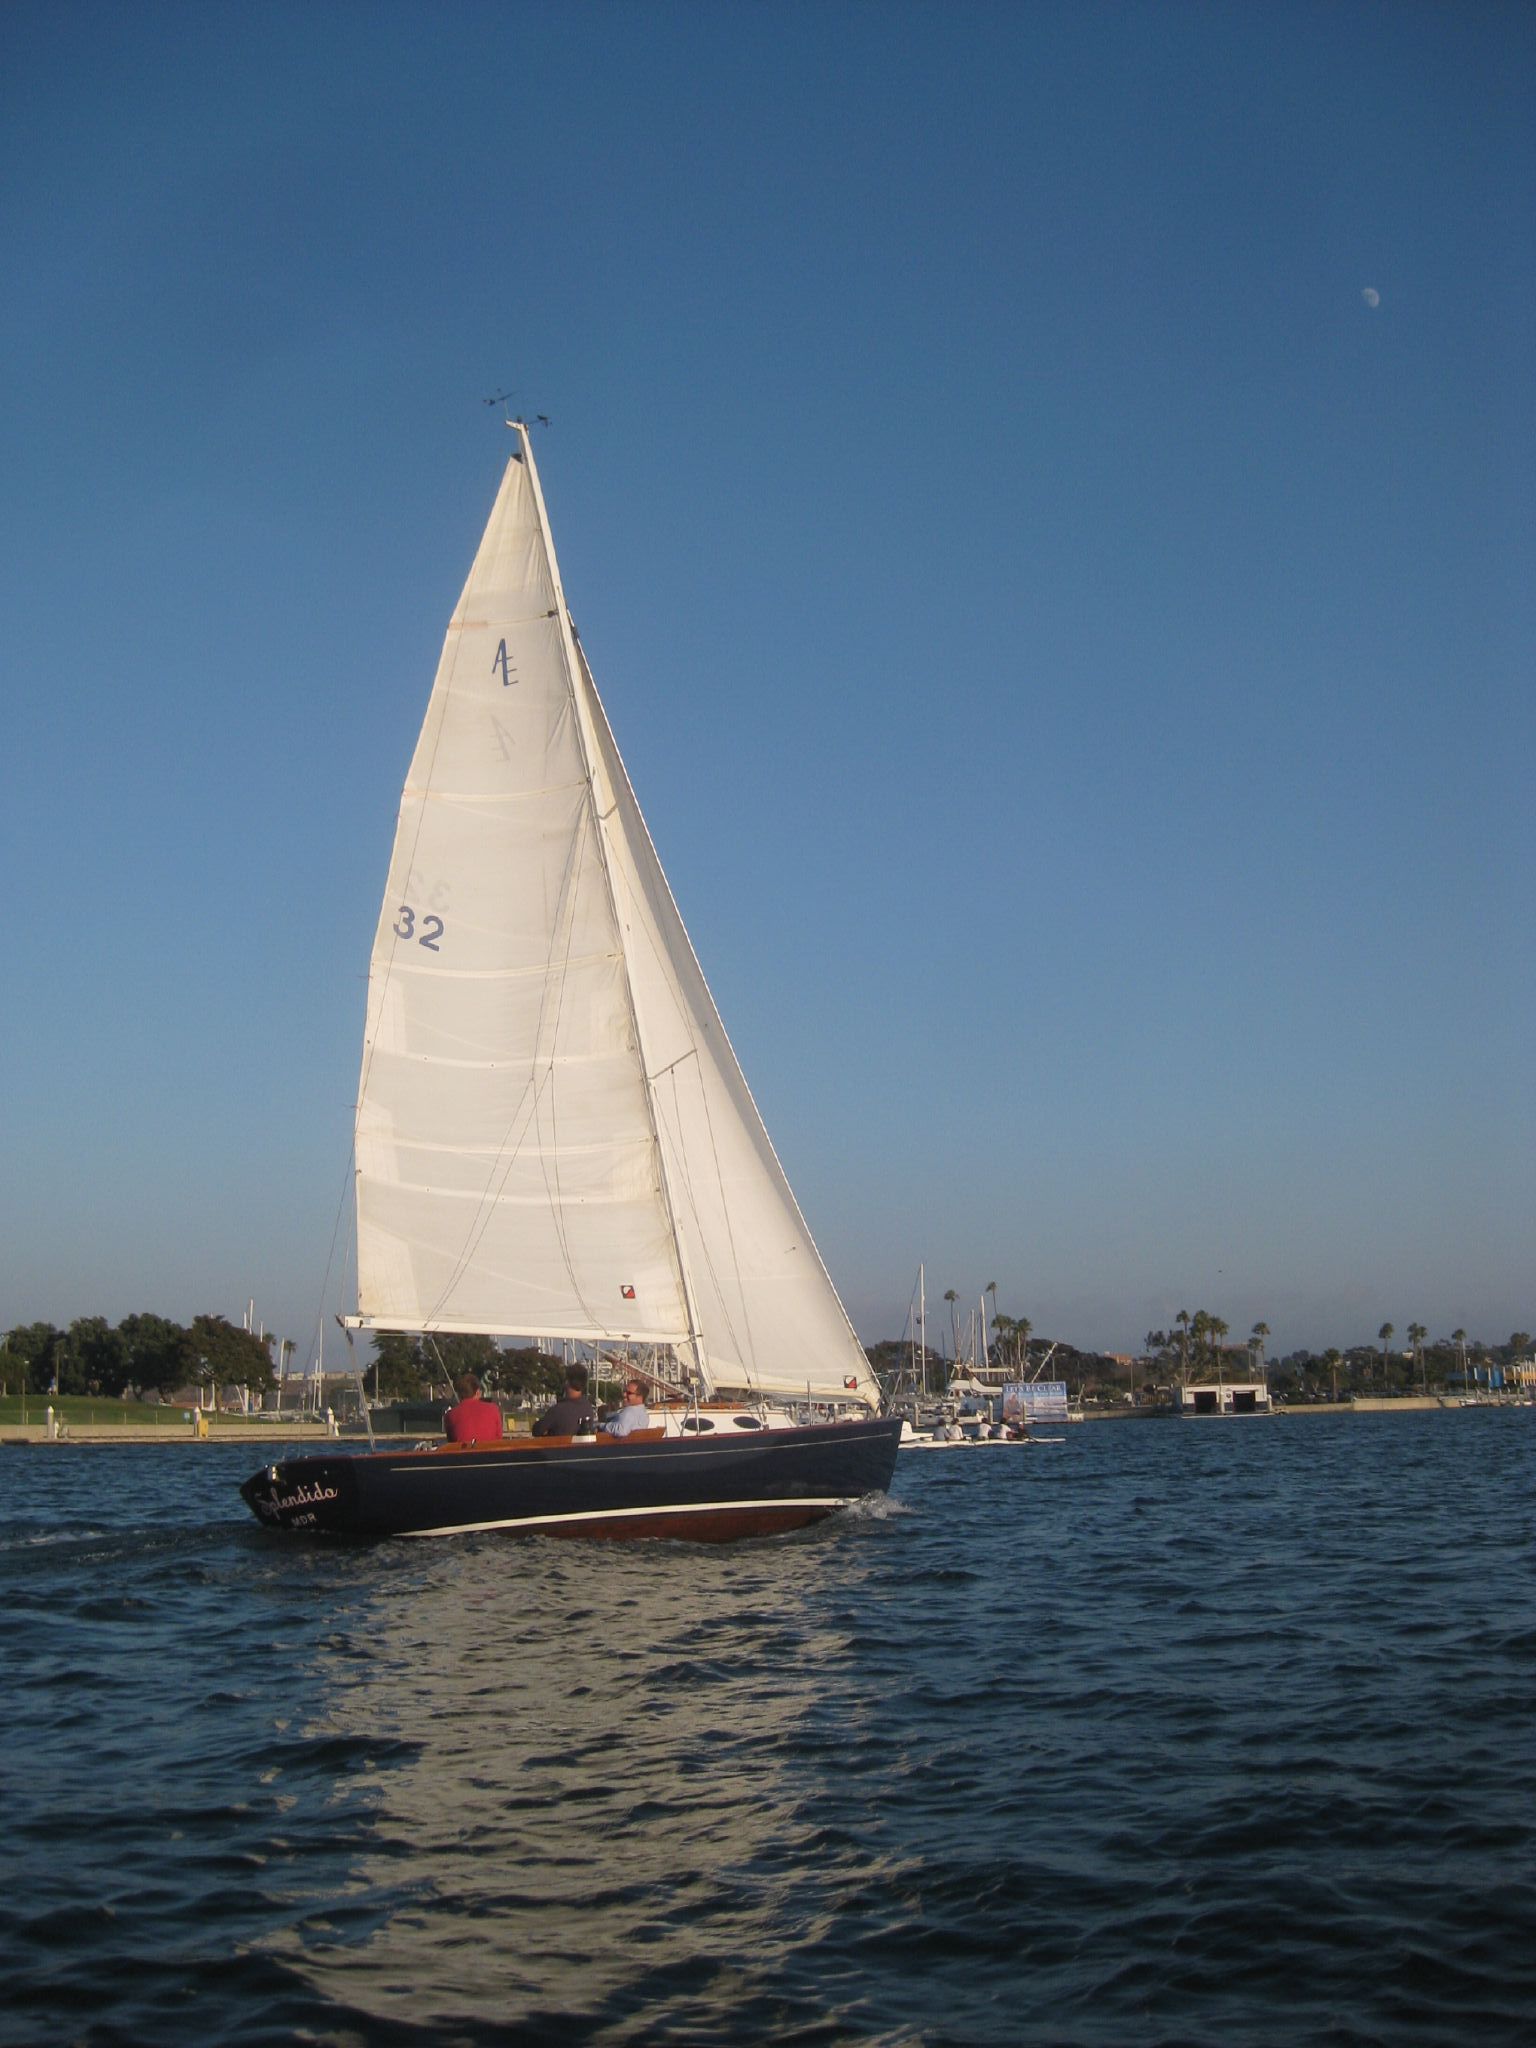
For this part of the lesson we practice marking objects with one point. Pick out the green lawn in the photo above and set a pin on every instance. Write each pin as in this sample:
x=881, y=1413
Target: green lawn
x=98, y=1412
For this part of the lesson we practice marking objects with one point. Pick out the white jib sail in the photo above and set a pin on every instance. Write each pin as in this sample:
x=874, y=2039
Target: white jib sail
x=553, y=1136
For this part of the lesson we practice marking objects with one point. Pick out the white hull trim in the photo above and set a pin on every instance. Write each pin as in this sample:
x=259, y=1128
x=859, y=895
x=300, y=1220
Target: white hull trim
x=827, y=1504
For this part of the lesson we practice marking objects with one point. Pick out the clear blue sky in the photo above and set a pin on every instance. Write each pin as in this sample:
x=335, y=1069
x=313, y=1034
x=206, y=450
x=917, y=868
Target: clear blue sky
x=1048, y=491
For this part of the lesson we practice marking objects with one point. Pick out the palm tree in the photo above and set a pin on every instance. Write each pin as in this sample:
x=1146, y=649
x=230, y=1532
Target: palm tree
x=1416, y=1335
x=1384, y=1337
x=1182, y=1319
x=1217, y=1330
x=954, y=1335
x=1332, y=1358
x=1199, y=1330
x=1256, y=1344
x=1459, y=1339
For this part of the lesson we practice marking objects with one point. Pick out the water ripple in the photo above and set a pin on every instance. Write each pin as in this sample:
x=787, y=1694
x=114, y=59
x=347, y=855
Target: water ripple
x=1216, y=1734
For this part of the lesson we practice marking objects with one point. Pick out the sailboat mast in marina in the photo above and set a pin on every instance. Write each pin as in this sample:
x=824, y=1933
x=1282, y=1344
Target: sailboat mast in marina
x=554, y=1138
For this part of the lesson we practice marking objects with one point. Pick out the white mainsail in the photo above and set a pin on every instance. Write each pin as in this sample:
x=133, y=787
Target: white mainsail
x=554, y=1138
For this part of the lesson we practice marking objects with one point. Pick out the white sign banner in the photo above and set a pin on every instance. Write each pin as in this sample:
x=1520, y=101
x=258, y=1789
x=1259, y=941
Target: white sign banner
x=1035, y=1401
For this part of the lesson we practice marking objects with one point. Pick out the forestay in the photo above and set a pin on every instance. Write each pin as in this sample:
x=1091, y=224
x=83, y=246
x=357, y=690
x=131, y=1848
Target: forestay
x=554, y=1137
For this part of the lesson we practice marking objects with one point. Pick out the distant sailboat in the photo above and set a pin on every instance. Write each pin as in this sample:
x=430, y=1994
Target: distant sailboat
x=553, y=1137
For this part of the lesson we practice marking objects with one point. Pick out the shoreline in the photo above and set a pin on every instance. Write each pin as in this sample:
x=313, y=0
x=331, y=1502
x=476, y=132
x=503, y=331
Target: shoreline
x=259, y=1433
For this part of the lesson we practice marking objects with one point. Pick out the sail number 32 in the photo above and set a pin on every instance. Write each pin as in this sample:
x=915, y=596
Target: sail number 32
x=431, y=929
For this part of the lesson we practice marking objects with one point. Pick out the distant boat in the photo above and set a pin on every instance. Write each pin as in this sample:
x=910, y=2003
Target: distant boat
x=976, y=1435
x=553, y=1136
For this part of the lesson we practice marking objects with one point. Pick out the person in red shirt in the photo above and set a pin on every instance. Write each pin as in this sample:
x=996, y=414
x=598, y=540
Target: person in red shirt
x=474, y=1420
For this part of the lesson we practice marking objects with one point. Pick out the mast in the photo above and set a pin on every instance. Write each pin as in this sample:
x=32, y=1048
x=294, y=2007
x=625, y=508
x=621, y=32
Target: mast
x=575, y=670
x=922, y=1330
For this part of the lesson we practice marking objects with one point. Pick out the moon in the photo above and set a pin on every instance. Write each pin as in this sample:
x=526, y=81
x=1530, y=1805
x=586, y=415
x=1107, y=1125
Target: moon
x=1371, y=296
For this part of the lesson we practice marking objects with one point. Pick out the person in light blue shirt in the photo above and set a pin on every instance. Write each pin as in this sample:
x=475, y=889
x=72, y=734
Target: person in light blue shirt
x=633, y=1415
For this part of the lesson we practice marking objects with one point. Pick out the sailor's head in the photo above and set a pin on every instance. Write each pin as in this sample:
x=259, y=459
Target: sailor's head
x=575, y=1379
x=467, y=1385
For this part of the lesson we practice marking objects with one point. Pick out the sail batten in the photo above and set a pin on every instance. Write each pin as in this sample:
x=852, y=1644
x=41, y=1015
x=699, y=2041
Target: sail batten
x=553, y=1135
x=505, y=974
x=443, y=1191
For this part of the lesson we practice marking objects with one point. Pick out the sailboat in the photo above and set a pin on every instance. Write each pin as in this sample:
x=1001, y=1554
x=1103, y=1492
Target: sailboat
x=553, y=1137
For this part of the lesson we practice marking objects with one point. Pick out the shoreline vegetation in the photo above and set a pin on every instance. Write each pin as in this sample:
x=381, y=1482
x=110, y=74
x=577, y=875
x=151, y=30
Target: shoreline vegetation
x=82, y=1420
x=149, y=1379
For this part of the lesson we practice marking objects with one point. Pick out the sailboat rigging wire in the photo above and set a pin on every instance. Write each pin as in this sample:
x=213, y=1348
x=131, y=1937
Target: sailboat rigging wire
x=330, y=1257
x=662, y=1072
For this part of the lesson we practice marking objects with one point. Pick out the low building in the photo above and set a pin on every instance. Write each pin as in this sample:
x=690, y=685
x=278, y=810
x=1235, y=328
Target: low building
x=1222, y=1397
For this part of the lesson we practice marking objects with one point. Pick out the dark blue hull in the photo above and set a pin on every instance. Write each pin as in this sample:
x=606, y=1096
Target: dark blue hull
x=699, y=1489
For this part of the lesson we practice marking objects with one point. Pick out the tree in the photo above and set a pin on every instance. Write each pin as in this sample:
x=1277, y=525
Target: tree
x=1416, y=1335
x=97, y=1358
x=1384, y=1338
x=888, y=1362
x=1182, y=1319
x=1260, y=1332
x=1162, y=1353
x=1216, y=1330
x=1459, y=1339
x=1013, y=1341
x=1199, y=1330
x=226, y=1357
x=408, y=1368
x=159, y=1353
x=530, y=1375
x=397, y=1367
x=38, y=1347
x=446, y=1356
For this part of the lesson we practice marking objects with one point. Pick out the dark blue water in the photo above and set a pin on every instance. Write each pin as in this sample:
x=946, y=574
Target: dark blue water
x=1214, y=1732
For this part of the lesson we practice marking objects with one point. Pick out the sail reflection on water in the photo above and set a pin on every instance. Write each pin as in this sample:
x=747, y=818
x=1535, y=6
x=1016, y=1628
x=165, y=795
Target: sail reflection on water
x=589, y=1758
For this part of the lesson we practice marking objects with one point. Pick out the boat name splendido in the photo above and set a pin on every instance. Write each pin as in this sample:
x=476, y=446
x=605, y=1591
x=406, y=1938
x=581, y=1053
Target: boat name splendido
x=309, y=1496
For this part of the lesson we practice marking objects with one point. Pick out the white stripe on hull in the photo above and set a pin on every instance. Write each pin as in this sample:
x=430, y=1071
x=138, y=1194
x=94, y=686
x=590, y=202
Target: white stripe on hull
x=828, y=1504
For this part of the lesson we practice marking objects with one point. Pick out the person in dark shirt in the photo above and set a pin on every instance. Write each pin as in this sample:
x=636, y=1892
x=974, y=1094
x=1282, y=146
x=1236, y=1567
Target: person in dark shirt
x=474, y=1420
x=572, y=1414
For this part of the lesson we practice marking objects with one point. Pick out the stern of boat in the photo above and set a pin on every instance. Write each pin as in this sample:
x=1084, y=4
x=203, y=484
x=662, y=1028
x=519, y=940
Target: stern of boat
x=304, y=1493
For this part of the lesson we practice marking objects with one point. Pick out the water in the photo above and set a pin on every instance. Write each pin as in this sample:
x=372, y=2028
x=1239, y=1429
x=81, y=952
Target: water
x=1186, y=1733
